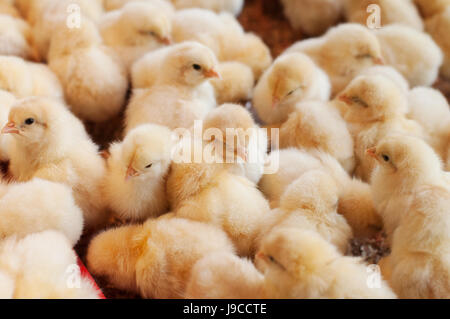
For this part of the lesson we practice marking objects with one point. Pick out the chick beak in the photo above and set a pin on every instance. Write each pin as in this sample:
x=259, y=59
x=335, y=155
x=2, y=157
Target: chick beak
x=275, y=102
x=165, y=40
x=211, y=74
x=260, y=255
x=131, y=172
x=344, y=98
x=10, y=128
x=378, y=61
x=372, y=152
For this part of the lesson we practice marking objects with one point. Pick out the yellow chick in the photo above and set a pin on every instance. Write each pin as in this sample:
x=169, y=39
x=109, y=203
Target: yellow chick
x=37, y=206
x=313, y=17
x=134, y=184
x=375, y=107
x=317, y=125
x=438, y=26
x=154, y=259
x=412, y=52
x=413, y=196
x=43, y=266
x=224, y=276
x=429, y=8
x=111, y=5
x=292, y=77
x=94, y=80
x=304, y=265
x=235, y=84
x=389, y=72
x=391, y=12
x=6, y=101
x=49, y=142
x=343, y=52
x=14, y=37
x=231, y=6
x=137, y=28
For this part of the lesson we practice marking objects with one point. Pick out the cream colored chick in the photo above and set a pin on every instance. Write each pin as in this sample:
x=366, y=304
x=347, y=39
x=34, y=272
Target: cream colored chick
x=110, y=5
x=6, y=101
x=94, y=80
x=43, y=266
x=311, y=16
x=304, y=265
x=355, y=200
x=24, y=79
x=391, y=12
x=49, y=142
x=154, y=259
x=224, y=276
x=343, y=52
x=317, y=125
x=412, y=193
x=389, y=72
x=292, y=77
x=235, y=84
x=136, y=173
x=137, y=28
x=14, y=37
x=429, y=8
x=438, y=26
x=413, y=53
x=374, y=108
x=37, y=206
x=231, y=6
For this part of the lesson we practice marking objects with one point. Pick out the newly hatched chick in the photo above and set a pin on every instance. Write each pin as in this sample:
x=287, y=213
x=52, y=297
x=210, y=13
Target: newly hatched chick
x=111, y=5
x=14, y=37
x=389, y=72
x=235, y=84
x=311, y=203
x=343, y=52
x=39, y=205
x=412, y=193
x=438, y=27
x=6, y=101
x=49, y=142
x=412, y=52
x=43, y=266
x=317, y=125
x=313, y=17
x=231, y=6
x=137, y=28
x=429, y=8
x=374, y=107
x=154, y=259
x=224, y=276
x=292, y=77
x=134, y=184
x=391, y=12
x=94, y=79
x=304, y=265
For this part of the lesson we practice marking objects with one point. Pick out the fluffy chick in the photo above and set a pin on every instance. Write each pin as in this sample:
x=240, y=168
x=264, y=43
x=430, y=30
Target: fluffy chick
x=311, y=16
x=154, y=259
x=14, y=37
x=49, y=142
x=438, y=26
x=343, y=52
x=413, y=196
x=41, y=265
x=37, y=206
x=429, y=8
x=137, y=28
x=292, y=77
x=304, y=265
x=111, y=5
x=231, y=6
x=399, y=11
x=389, y=72
x=317, y=125
x=94, y=79
x=411, y=52
x=134, y=184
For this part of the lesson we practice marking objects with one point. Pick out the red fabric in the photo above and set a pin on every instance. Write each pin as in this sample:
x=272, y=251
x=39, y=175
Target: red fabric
x=85, y=274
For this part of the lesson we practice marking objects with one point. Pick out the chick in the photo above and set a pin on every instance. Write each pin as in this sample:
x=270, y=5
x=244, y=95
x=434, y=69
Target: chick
x=14, y=37
x=411, y=52
x=7, y=7
x=304, y=265
x=389, y=72
x=6, y=101
x=316, y=125
x=312, y=17
x=134, y=184
x=415, y=215
x=231, y=6
x=375, y=107
x=343, y=52
x=94, y=80
x=111, y=5
x=137, y=28
x=399, y=11
x=224, y=276
x=37, y=206
x=154, y=259
x=50, y=143
x=292, y=77
x=235, y=84
x=437, y=26
x=43, y=266
x=429, y=8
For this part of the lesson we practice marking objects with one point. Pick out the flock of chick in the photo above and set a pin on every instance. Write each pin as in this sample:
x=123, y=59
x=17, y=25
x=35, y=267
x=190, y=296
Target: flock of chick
x=364, y=147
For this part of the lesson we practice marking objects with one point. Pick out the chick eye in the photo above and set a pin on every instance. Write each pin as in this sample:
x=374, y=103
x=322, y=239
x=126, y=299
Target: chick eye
x=364, y=56
x=272, y=259
x=357, y=100
x=29, y=121
x=197, y=67
x=149, y=165
x=386, y=158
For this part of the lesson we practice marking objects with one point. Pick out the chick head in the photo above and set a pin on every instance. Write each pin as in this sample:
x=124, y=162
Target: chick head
x=231, y=127
x=291, y=76
x=192, y=63
x=373, y=98
x=147, y=151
